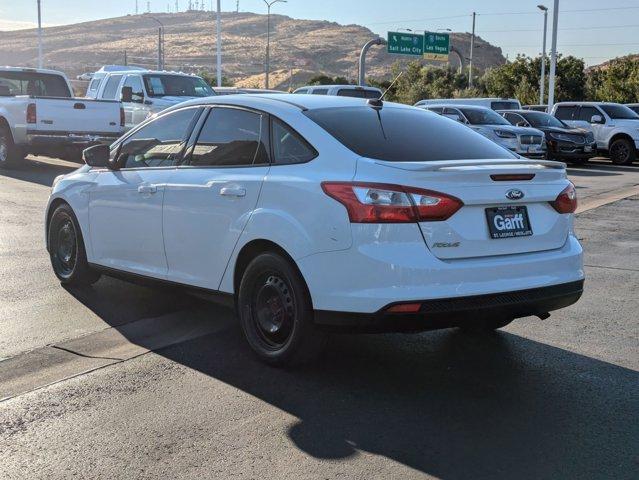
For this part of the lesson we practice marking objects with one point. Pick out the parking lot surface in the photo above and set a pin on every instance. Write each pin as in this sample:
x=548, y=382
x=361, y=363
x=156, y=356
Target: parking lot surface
x=117, y=397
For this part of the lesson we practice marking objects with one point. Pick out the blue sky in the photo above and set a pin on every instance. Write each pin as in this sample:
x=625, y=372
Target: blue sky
x=590, y=29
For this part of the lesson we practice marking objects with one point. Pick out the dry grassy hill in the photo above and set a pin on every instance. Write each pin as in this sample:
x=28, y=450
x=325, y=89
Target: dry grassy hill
x=299, y=48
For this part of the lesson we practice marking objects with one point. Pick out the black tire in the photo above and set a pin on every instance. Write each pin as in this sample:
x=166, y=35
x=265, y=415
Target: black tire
x=485, y=325
x=66, y=249
x=9, y=153
x=622, y=152
x=276, y=312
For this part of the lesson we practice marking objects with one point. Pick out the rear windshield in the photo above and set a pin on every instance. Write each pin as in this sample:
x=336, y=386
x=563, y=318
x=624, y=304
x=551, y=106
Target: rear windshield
x=358, y=93
x=33, y=83
x=619, y=112
x=404, y=134
x=504, y=106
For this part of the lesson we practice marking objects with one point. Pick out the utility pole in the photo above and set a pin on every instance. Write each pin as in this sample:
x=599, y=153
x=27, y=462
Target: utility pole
x=553, y=56
x=268, y=37
x=177, y=6
x=472, y=48
x=136, y=7
x=160, y=43
x=126, y=62
x=219, y=44
x=148, y=6
x=237, y=6
x=542, y=81
x=362, y=59
x=40, y=61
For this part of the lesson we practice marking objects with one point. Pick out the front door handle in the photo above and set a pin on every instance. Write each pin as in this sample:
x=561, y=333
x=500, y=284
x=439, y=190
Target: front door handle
x=147, y=189
x=234, y=191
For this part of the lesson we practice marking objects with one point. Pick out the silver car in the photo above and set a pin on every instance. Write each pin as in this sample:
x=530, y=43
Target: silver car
x=525, y=141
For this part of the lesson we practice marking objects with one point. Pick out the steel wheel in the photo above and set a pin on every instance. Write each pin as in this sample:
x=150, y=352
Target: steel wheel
x=64, y=248
x=273, y=311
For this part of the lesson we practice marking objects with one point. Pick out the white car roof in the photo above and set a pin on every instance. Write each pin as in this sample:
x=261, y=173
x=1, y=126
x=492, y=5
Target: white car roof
x=587, y=103
x=33, y=70
x=349, y=87
x=453, y=105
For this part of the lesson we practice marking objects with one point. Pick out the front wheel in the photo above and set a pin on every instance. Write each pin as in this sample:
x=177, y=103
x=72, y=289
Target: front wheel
x=9, y=153
x=276, y=312
x=622, y=152
x=66, y=249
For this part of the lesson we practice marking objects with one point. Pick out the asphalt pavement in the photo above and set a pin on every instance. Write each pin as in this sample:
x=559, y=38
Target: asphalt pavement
x=127, y=381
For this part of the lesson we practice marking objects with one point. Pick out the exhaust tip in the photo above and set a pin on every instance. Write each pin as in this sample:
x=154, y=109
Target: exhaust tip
x=543, y=316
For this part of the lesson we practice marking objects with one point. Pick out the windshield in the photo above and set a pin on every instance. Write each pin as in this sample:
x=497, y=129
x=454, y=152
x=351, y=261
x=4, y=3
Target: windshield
x=33, y=83
x=540, y=119
x=483, y=116
x=176, y=86
x=404, y=134
x=619, y=112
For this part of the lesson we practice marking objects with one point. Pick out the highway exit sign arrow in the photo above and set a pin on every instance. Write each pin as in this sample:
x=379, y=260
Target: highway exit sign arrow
x=406, y=43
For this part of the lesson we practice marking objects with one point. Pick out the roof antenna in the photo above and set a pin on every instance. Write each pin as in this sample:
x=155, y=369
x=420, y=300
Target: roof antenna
x=378, y=102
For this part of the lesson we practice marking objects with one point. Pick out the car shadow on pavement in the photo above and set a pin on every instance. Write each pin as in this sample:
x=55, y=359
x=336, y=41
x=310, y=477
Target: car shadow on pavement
x=39, y=172
x=447, y=404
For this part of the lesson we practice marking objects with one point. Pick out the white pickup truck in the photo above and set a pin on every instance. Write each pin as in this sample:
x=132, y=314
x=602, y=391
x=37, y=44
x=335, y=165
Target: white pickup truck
x=39, y=115
x=614, y=126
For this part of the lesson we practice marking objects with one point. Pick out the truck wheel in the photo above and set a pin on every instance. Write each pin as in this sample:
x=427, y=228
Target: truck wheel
x=276, y=312
x=9, y=154
x=622, y=152
x=66, y=249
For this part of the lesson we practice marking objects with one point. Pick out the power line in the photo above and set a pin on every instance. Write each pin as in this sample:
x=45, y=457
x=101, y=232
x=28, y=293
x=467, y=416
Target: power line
x=565, y=29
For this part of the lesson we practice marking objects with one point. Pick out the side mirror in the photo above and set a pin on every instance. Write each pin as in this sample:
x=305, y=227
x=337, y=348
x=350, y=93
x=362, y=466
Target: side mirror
x=97, y=155
x=5, y=91
x=596, y=119
x=126, y=95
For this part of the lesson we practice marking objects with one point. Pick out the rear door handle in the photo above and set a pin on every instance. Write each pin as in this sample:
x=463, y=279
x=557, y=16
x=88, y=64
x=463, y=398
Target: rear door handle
x=233, y=191
x=147, y=189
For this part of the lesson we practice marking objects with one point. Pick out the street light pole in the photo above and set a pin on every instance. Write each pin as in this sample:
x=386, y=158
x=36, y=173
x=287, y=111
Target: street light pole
x=268, y=37
x=542, y=81
x=472, y=48
x=219, y=45
x=40, y=62
x=553, y=56
x=160, y=43
x=362, y=59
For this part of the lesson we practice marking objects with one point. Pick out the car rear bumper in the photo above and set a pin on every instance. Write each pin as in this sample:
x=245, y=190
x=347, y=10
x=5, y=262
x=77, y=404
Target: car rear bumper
x=458, y=311
x=373, y=275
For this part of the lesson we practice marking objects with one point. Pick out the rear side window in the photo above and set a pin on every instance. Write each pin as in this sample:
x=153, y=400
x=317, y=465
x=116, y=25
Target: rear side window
x=33, y=83
x=586, y=113
x=358, y=93
x=320, y=91
x=158, y=144
x=504, y=106
x=288, y=146
x=111, y=87
x=230, y=137
x=404, y=134
x=565, y=113
x=94, y=85
x=303, y=90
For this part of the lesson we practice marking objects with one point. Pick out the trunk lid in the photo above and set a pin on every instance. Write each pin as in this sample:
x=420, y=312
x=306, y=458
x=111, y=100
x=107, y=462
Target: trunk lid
x=466, y=234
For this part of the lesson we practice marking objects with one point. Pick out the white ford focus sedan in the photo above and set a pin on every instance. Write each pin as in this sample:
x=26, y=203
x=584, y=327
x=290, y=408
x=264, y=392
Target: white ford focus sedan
x=310, y=214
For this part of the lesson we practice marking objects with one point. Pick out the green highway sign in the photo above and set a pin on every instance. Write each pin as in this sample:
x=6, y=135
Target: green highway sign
x=436, y=46
x=406, y=43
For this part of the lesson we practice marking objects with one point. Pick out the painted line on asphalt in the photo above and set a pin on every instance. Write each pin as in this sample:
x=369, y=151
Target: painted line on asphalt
x=596, y=201
x=55, y=363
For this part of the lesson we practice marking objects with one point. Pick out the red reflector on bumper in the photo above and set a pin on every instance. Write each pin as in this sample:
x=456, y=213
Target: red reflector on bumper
x=404, y=308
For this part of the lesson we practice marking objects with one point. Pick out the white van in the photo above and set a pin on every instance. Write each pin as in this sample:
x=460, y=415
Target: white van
x=492, y=103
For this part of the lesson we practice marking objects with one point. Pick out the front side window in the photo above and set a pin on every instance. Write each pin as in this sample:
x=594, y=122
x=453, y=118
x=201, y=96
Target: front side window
x=230, y=137
x=399, y=134
x=438, y=110
x=288, y=146
x=111, y=87
x=586, y=113
x=159, y=143
x=33, y=83
x=160, y=85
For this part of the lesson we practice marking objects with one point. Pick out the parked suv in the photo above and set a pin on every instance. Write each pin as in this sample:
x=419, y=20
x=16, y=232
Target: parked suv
x=341, y=91
x=563, y=142
x=144, y=93
x=312, y=213
x=614, y=126
x=524, y=141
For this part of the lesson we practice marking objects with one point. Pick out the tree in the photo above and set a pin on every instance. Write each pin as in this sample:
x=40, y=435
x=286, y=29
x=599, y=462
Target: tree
x=323, y=79
x=211, y=79
x=617, y=82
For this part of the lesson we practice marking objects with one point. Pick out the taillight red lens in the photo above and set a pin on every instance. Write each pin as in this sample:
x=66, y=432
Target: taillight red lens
x=121, y=117
x=386, y=203
x=32, y=116
x=566, y=202
x=404, y=308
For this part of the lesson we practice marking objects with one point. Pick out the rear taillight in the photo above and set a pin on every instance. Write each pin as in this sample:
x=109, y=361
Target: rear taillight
x=385, y=203
x=566, y=202
x=32, y=116
x=121, y=117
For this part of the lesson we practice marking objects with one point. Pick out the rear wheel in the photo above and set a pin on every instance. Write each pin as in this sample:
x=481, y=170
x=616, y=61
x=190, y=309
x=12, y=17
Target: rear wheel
x=622, y=152
x=276, y=313
x=485, y=325
x=9, y=153
x=66, y=249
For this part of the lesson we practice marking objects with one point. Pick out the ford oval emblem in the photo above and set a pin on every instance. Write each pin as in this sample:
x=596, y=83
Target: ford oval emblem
x=514, y=194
